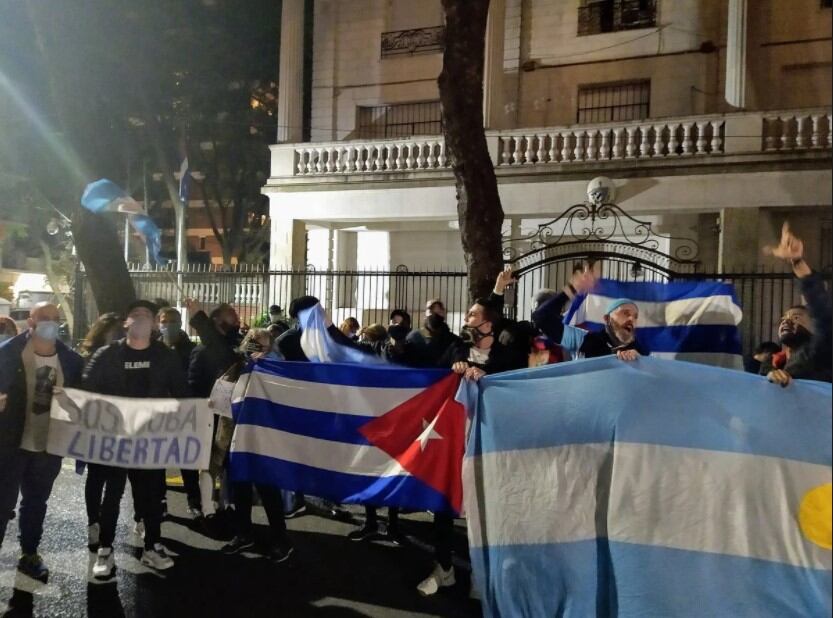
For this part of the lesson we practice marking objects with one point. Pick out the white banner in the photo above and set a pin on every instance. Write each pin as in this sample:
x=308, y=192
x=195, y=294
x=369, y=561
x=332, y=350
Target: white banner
x=131, y=432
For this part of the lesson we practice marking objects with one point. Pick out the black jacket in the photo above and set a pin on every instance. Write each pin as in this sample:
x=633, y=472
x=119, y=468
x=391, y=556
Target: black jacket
x=548, y=318
x=13, y=384
x=509, y=351
x=105, y=372
x=812, y=361
x=211, y=359
x=183, y=348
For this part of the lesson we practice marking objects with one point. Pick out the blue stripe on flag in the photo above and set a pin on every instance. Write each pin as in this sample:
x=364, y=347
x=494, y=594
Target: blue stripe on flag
x=662, y=292
x=709, y=409
x=403, y=491
x=353, y=374
x=715, y=338
x=574, y=579
x=310, y=423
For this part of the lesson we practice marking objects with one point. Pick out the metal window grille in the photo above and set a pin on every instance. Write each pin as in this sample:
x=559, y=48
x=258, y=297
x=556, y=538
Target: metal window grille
x=402, y=120
x=598, y=16
x=614, y=102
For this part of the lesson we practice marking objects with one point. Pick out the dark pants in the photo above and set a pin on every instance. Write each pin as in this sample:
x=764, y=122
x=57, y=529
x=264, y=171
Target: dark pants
x=147, y=486
x=372, y=519
x=444, y=533
x=272, y=503
x=191, y=483
x=109, y=482
x=31, y=475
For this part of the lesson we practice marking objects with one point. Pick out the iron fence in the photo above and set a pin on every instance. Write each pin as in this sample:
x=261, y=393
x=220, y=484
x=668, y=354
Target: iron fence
x=370, y=295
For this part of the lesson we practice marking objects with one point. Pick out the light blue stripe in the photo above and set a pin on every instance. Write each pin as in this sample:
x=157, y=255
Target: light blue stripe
x=399, y=491
x=652, y=401
x=311, y=423
x=388, y=376
x=600, y=578
x=662, y=292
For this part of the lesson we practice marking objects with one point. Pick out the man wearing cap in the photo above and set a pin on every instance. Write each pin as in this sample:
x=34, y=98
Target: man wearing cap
x=138, y=366
x=618, y=336
x=32, y=364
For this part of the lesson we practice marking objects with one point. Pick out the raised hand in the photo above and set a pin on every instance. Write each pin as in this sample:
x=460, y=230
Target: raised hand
x=791, y=246
x=504, y=279
x=583, y=281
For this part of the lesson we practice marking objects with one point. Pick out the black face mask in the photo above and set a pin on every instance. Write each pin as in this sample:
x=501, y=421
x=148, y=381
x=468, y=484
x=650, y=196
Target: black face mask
x=473, y=334
x=801, y=336
x=398, y=332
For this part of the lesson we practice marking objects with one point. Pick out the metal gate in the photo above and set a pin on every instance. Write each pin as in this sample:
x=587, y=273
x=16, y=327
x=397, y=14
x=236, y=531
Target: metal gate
x=625, y=249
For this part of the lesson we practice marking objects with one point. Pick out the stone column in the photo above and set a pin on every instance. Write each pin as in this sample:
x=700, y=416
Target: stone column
x=291, y=76
x=738, y=249
x=493, y=66
x=736, y=54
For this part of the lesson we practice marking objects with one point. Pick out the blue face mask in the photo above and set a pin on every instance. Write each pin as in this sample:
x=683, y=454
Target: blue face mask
x=46, y=330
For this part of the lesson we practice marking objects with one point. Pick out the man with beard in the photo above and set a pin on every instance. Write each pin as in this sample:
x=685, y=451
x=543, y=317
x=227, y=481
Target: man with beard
x=804, y=330
x=618, y=336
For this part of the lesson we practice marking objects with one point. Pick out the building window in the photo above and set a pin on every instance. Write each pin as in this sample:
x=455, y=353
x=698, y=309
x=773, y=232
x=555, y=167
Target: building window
x=614, y=102
x=202, y=243
x=598, y=16
x=403, y=120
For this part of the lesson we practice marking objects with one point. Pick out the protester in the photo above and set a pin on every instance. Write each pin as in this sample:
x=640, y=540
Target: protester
x=762, y=357
x=170, y=330
x=220, y=339
x=489, y=344
x=137, y=367
x=8, y=329
x=350, y=327
x=277, y=325
x=32, y=365
x=618, y=336
x=258, y=345
x=289, y=343
x=106, y=329
x=804, y=330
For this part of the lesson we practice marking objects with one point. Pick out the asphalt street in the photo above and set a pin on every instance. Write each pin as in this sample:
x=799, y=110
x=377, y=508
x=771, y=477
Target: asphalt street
x=328, y=576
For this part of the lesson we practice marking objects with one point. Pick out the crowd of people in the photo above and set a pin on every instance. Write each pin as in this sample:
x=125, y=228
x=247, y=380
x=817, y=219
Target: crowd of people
x=147, y=353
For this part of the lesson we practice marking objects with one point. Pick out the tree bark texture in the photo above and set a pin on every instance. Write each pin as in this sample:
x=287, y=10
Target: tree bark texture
x=97, y=243
x=461, y=93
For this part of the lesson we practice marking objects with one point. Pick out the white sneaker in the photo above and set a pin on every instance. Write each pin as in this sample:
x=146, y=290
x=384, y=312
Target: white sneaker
x=93, y=536
x=139, y=529
x=156, y=558
x=439, y=578
x=195, y=513
x=104, y=563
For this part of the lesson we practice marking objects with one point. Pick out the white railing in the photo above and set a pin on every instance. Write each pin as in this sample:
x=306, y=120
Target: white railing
x=741, y=133
x=612, y=142
x=381, y=156
x=802, y=130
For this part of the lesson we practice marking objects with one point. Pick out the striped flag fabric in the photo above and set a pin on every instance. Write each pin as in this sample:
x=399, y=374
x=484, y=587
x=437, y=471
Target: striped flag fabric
x=695, y=321
x=377, y=435
x=648, y=488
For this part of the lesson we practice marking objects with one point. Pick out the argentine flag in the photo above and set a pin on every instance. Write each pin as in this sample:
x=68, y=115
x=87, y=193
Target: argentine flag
x=695, y=321
x=648, y=488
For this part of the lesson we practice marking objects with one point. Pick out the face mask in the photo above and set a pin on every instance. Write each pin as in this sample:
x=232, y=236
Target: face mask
x=398, y=332
x=140, y=329
x=170, y=331
x=4, y=337
x=473, y=333
x=46, y=330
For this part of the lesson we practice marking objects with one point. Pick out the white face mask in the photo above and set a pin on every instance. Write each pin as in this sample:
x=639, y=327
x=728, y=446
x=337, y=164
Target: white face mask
x=46, y=330
x=140, y=328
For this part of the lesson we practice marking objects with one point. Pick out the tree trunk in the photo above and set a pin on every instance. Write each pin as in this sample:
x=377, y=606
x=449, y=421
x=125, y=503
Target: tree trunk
x=55, y=283
x=461, y=93
x=97, y=243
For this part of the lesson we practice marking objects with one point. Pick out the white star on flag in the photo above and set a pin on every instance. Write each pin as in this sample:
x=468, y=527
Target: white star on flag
x=428, y=433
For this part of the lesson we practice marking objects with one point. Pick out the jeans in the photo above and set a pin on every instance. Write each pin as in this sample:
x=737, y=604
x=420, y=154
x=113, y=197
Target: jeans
x=110, y=482
x=31, y=475
x=272, y=503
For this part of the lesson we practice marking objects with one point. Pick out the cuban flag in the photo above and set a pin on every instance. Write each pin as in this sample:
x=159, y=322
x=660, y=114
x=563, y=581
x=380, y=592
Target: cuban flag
x=377, y=435
x=695, y=321
x=648, y=488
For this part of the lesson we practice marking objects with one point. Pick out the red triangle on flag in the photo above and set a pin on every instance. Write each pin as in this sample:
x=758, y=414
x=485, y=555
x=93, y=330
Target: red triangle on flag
x=426, y=435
